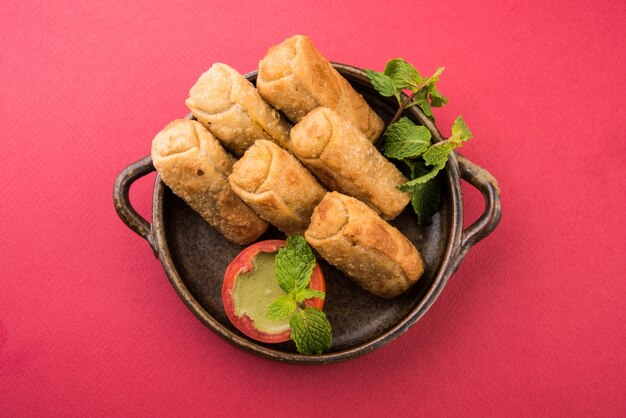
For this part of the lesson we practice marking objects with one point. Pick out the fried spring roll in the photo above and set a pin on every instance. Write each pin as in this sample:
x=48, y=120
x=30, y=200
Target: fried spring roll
x=352, y=237
x=232, y=109
x=295, y=78
x=192, y=163
x=273, y=183
x=345, y=161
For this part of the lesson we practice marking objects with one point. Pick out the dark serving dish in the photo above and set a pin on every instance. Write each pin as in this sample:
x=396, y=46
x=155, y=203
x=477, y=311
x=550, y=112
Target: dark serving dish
x=195, y=256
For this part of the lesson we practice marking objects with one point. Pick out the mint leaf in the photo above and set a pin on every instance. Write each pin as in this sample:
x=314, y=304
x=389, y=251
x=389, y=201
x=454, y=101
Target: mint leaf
x=294, y=264
x=437, y=155
x=421, y=100
x=413, y=167
x=425, y=200
x=427, y=195
x=403, y=74
x=436, y=98
x=417, y=167
x=383, y=84
x=460, y=132
x=281, y=308
x=416, y=183
x=308, y=294
x=428, y=96
x=433, y=78
x=405, y=139
x=311, y=331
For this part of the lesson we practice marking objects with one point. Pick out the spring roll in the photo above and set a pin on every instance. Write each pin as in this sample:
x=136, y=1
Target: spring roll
x=345, y=161
x=192, y=163
x=273, y=183
x=352, y=237
x=232, y=109
x=295, y=78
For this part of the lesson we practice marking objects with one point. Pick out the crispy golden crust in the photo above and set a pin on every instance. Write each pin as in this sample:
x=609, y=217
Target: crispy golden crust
x=296, y=78
x=344, y=160
x=232, y=109
x=192, y=163
x=273, y=183
x=352, y=237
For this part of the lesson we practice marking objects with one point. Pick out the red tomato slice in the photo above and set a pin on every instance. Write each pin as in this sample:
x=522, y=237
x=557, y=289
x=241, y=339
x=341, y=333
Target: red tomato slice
x=242, y=263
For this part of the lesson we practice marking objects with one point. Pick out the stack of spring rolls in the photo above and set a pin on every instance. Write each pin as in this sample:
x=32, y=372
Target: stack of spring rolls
x=321, y=177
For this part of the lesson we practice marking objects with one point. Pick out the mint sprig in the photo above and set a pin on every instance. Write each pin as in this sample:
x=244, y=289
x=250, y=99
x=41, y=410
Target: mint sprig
x=411, y=143
x=310, y=329
x=400, y=76
x=436, y=155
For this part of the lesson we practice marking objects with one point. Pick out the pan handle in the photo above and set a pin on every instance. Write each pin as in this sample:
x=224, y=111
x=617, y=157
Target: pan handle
x=123, y=207
x=488, y=186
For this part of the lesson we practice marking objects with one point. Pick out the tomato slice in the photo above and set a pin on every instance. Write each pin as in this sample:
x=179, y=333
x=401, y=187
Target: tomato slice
x=242, y=264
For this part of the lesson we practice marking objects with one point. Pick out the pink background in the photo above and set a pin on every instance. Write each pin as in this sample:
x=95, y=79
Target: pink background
x=531, y=325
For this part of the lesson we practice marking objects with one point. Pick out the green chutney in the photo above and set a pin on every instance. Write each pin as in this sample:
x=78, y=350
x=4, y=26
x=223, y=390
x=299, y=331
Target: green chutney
x=255, y=291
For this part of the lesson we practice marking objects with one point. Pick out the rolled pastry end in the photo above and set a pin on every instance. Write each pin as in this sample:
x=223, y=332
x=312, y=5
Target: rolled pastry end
x=329, y=217
x=251, y=171
x=311, y=138
x=276, y=64
x=177, y=137
x=216, y=84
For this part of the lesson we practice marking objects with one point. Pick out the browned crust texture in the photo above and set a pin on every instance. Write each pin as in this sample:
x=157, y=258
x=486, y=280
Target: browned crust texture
x=296, y=78
x=234, y=111
x=345, y=161
x=352, y=237
x=272, y=182
x=192, y=163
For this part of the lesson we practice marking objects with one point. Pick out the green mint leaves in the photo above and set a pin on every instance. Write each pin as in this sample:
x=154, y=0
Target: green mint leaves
x=294, y=264
x=424, y=185
x=399, y=76
x=402, y=74
x=383, y=84
x=437, y=155
x=281, y=308
x=411, y=143
x=425, y=189
x=310, y=329
x=308, y=294
x=429, y=96
x=404, y=139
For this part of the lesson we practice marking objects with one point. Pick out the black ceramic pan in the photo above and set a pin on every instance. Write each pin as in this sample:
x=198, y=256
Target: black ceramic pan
x=194, y=256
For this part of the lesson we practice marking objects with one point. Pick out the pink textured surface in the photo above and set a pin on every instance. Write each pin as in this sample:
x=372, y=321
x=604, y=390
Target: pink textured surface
x=531, y=325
